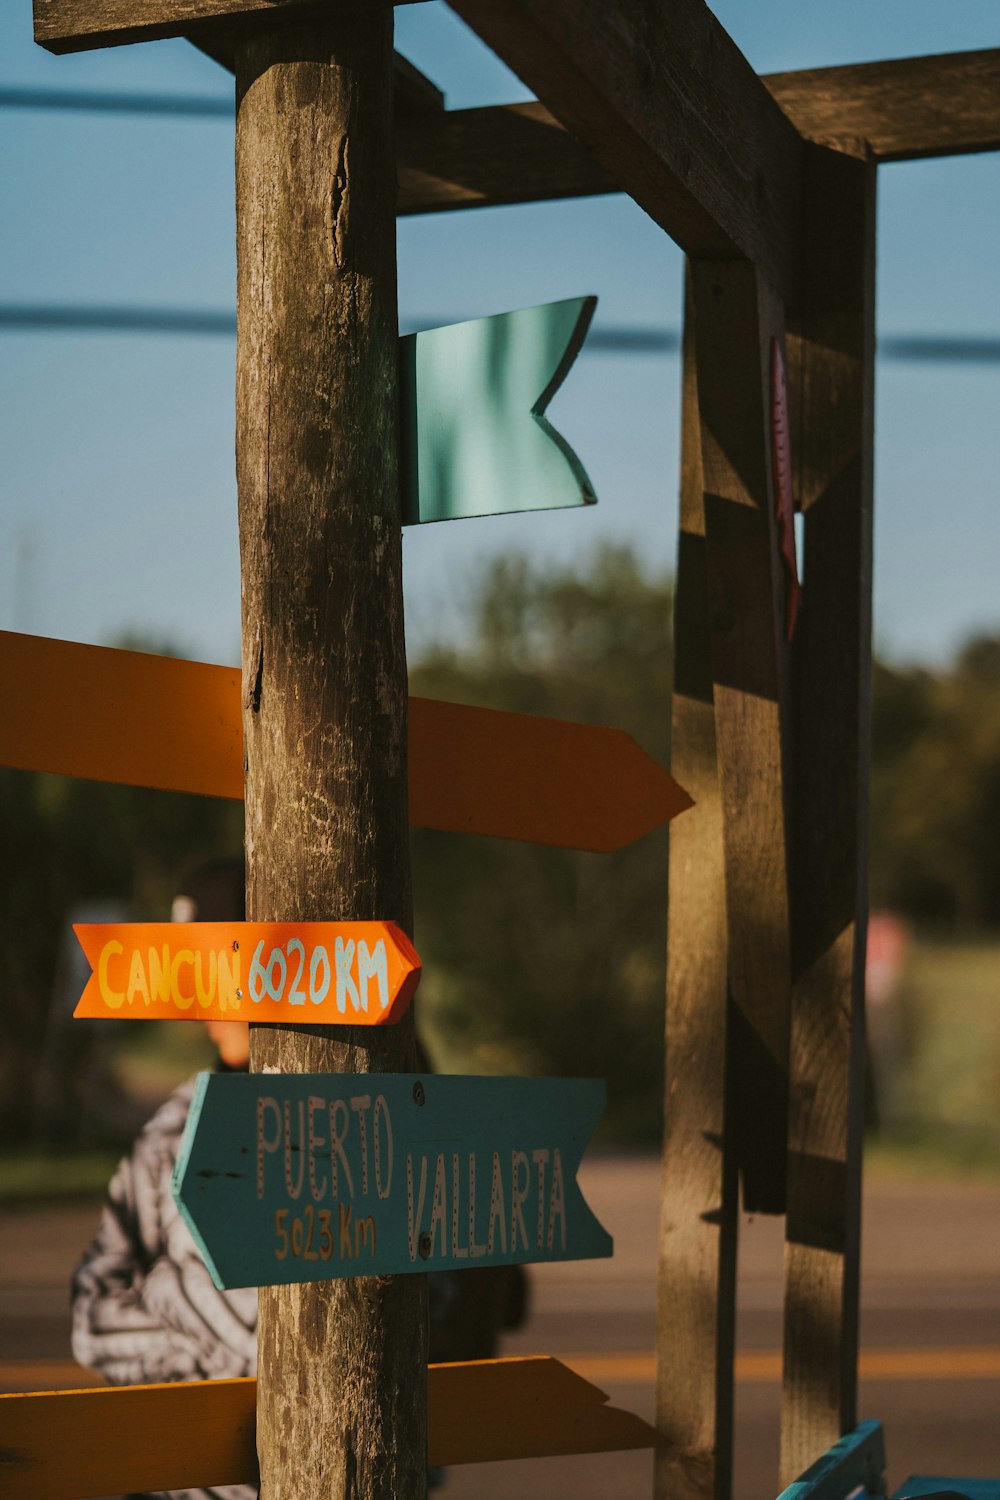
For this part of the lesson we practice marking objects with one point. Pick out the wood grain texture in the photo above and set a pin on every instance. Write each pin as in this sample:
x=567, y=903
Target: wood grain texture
x=698, y=1199
x=832, y=381
x=124, y=716
x=906, y=108
x=413, y=93
x=472, y=158
x=126, y=1438
x=324, y=672
x=120, y=1439
x=668, y=105
x=520, y=153
x=77, y=25
x=735, y=320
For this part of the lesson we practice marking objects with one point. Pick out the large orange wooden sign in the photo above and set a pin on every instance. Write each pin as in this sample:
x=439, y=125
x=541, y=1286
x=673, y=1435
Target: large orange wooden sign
x=155, y=721
x=312, y=973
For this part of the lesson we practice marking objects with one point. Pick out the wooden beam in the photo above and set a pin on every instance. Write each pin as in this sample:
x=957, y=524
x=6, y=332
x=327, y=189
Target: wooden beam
x=736, y=319
x=519, y=153
x=668, y=105
x=78, y=25
x=121, y=1439
x=831, y=369
x=474, y=158
x=698, y=1200
x=157, y=721
x=907, y=108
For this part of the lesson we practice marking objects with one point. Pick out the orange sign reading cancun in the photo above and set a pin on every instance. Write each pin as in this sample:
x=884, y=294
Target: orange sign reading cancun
x=318, y=973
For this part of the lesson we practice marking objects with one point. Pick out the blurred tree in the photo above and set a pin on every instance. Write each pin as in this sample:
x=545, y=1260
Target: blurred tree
x=545, y=960
x=537, y=960
x=936, y=790
x=68, y=842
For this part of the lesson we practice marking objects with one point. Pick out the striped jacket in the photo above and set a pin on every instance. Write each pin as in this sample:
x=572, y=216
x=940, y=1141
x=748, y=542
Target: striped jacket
x=144, y=1306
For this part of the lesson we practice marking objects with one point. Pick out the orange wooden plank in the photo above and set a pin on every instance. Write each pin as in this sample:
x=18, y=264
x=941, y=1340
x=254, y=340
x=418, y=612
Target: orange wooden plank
x=121, y=716
x=522, y=1408
x=156, y=721
x=545, y=781
x=121, y=1438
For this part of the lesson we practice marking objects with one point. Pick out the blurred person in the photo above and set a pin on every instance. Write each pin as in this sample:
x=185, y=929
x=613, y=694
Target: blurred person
x=145, y=1308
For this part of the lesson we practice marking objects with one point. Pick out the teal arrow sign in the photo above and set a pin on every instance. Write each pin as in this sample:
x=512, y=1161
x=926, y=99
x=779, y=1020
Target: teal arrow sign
x=475, y=439
x=307, y=1177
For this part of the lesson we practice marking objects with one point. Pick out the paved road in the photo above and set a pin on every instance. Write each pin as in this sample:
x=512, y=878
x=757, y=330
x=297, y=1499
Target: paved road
x=930, y=1331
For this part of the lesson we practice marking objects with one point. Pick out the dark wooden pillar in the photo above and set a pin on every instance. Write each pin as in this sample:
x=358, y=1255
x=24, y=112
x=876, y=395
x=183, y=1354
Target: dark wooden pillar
x=697, y=1254
x=729, y=963
x=831, y=376
x=737, y=319
x=342, y=1364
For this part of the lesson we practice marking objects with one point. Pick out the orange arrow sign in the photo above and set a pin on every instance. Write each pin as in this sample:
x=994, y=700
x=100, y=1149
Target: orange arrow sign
x=156, y=721
x=312, y=973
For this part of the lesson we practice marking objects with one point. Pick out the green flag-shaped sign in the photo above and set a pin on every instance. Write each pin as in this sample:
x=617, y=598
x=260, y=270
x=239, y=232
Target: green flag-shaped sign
x=307, y=1177
x=475, y=440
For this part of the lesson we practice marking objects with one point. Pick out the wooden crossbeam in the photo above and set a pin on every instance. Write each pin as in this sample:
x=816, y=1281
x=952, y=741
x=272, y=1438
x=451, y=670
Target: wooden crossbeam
x=122, y=1439
x=77, y=25
x=907, y=108
x=669, y=106
x=141, y=720
x=472, y=158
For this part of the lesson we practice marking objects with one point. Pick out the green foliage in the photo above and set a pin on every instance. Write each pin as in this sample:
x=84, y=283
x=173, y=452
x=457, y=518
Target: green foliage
x=936, y=790
x=65, y=842
x=536, y=960
x=545, y=960
x=936, y=1048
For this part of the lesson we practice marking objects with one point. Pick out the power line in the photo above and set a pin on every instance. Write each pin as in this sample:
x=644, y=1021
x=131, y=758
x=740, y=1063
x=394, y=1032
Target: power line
x=128, y=104
x=942, y=348
x=71, y=318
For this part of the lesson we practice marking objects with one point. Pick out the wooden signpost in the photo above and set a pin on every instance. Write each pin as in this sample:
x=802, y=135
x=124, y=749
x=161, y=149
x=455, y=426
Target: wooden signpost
x=306, y=1178
x=312, y=973
x=768, y=186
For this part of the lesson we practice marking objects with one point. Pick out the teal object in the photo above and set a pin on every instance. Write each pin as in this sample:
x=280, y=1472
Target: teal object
x=309, y=1177
x=930, y=1484
x=854, y=1466
x=475, y=439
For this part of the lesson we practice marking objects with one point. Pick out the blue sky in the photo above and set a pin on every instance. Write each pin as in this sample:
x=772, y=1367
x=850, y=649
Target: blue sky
x=117, y=491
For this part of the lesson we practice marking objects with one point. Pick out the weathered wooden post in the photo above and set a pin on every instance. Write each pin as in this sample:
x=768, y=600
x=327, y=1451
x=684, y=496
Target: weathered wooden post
x=832, y=378
x=696, y=1288
x=342, y=1364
